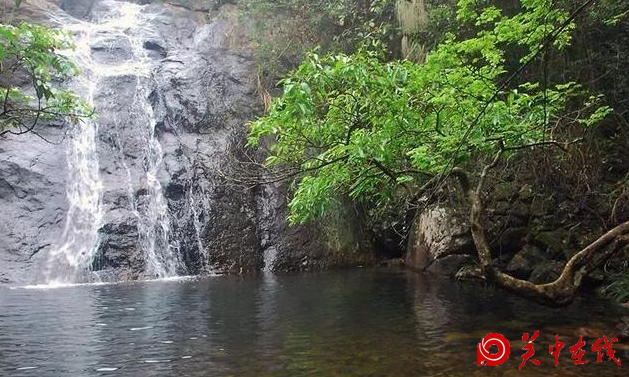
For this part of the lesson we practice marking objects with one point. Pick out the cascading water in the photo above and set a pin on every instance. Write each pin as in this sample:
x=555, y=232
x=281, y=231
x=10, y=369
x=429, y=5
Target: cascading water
x=71, y=260
x=140, y=192
x=266, y=211
x=192, y=205
x=154, y=227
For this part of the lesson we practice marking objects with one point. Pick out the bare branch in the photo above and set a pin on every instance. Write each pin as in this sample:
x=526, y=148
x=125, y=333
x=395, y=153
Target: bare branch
x=563, y=145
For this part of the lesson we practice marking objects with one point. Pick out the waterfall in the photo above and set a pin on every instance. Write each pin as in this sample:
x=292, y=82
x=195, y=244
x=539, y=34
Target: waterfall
x=72, y=257
x=266, y=211
x=154, y=228
x=196, y=222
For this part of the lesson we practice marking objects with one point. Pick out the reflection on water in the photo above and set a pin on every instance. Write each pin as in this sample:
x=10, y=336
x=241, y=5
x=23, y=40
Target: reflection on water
x=347, y=323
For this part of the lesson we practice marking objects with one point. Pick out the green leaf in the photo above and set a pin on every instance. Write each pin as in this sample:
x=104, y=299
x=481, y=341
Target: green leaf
x=362, y=126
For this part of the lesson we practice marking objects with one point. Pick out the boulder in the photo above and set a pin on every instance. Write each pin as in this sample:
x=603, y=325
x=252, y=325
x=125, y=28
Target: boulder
x=511, y=240
x=546, y=272
x=524, y=261
x=449, y=265
x=556, y=242
x=436, y=233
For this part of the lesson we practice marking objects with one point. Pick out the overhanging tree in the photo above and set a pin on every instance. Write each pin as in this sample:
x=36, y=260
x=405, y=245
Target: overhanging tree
x=31, y=53
x=355, y=124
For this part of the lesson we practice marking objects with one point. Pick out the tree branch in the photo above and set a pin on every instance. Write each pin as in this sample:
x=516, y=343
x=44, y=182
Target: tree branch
x=564, y=288
x=391, y=174
x=563, y=145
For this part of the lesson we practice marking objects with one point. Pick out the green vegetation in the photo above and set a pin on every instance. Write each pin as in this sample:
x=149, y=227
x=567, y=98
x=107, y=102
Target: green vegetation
x=30, y=69
x=618, y=288
x=356, y=124
x=383, y=130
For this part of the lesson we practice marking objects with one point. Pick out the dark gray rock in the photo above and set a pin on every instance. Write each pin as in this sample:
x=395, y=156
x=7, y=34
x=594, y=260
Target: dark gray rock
x=155, y=47
x=449, y=265
x=546, y=272
x=33, y=201
x=77, y=8
x=524, y=261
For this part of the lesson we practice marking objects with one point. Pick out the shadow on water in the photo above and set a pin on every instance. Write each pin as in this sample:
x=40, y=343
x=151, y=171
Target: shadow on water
x=346, y=323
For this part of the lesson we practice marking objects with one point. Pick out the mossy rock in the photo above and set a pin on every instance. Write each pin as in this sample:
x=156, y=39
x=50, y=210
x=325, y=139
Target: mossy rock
x=517, y=209
x=554, y=241
x=522, y=264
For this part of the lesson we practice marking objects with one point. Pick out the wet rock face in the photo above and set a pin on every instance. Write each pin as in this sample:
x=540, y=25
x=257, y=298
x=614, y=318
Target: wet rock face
x=337, y=240
x=117, y=248
x=438, y=233
x=33, y=171
x=108, y=49
x=32, y=198
x=77, y=8
x=198, y=96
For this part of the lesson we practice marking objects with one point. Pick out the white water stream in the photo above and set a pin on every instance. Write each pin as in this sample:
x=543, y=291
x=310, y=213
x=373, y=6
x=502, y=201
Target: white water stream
x=71, y=259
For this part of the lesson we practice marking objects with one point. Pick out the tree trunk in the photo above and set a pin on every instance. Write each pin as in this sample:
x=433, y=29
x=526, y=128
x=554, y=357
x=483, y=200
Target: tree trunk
x=563, y=289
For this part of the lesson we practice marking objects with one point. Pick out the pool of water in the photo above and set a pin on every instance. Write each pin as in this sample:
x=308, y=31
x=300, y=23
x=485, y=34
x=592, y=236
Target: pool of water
x=343, y=323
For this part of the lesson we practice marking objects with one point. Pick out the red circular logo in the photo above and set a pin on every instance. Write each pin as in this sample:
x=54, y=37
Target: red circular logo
x=484, y=357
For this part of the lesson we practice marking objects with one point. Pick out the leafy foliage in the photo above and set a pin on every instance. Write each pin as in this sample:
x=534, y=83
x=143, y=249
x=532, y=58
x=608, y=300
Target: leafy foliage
x=29, y=54
x=618, y=288
x=356, y=124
